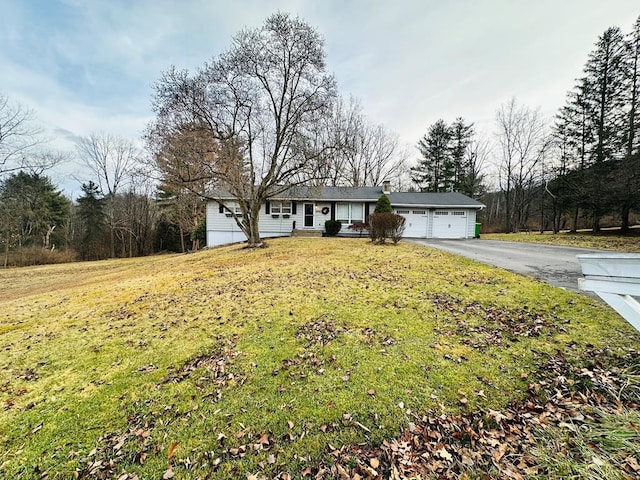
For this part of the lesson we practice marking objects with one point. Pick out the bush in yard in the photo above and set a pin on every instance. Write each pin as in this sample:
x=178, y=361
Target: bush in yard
x=383, y=205
x=397, y=228
x=332, y=227
x=359, y=227
x=386, y=225
x=36, y=255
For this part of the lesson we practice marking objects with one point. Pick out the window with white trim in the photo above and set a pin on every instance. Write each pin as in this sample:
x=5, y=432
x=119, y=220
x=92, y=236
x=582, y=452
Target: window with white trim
x=461, y=214
x=441, y=213
x=283, y=208
x=349, y=213
x=230, y=210
x=419, y=212
x=403, y=212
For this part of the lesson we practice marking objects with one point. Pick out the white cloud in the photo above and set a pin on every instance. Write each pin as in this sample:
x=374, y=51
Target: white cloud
x=87, y=66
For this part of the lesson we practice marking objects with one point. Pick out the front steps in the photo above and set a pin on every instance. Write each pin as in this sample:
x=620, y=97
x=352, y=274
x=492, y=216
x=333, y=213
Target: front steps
x=306, y=233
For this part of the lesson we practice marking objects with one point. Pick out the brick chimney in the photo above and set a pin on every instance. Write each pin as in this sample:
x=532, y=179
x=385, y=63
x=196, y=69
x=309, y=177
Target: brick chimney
x=386, y=187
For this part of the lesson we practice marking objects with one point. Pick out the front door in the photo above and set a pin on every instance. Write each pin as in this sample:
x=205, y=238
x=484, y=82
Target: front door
x=308, y=214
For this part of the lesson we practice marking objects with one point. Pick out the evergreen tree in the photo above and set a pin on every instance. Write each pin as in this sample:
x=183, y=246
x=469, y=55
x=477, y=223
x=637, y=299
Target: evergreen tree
x=573, y=131
x=461, y=137
x=383, y=205
x=91, y=209
x=633, y=135
x=435, y=170
x=606, y=77
x=36, y=209
x=597, y=130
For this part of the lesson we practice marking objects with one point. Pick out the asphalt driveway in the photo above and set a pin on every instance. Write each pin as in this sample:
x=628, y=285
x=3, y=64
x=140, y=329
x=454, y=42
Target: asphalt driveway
x=555, y=265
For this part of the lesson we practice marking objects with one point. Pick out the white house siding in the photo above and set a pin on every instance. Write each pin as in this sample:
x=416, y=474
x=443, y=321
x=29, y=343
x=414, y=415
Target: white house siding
x=319, y=218
x=222, y=230
x=471, y=223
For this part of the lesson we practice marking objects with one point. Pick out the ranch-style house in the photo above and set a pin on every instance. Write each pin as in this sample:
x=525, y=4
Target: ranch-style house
x=305, y=209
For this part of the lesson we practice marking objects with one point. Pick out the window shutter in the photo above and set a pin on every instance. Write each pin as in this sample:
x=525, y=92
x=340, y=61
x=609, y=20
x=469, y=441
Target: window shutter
x=267, y=207
x=221, y=209
x=366, y=213
x=294, y=210
x=333, y=210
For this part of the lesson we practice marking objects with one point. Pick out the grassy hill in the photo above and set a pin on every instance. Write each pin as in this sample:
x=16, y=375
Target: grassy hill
x=232, y=363
x=611, y=240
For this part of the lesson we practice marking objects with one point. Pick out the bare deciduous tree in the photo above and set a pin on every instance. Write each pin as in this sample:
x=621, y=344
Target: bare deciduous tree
x=476, y=158
x=181, y=161
x=112, y=160
x=18, y=136
x=523, y=141
x=261, y=102
x=362, y=154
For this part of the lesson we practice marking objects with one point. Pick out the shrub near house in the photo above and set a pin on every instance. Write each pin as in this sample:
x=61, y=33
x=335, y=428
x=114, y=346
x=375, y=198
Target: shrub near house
x=332, y=227
x=386, y=225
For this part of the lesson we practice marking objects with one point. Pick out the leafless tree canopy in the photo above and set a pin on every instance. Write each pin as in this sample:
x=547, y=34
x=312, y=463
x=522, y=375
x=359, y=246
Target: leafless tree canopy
x=260, y=103
x=362, y=154
x=523, y=142
x=111, y=159
x=18, y=136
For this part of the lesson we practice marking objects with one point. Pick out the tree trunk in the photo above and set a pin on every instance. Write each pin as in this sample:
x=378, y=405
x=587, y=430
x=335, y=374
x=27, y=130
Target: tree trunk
x=182, y=239
x=6, y=252
x=624, y=215
x=112, y=235
x=574, y=227
x=253, y=227
x=507, y=213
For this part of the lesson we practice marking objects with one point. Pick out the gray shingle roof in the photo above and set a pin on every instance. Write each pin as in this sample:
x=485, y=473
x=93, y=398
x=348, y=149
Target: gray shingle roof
x=371, y=194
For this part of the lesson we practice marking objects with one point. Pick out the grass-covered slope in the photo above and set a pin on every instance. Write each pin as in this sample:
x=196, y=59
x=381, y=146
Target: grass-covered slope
x=611, y=240
x=232, y=362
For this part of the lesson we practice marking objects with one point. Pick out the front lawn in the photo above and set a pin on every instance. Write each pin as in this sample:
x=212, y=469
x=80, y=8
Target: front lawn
x=233, y=363
x=610, y=240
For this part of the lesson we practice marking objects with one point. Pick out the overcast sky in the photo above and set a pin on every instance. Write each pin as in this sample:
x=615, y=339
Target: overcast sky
x=87, y=65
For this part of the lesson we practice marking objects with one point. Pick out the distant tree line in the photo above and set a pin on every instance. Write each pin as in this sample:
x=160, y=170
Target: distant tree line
x=596, y=137
x=253, y=124
x=583, y=168
x=120, y=212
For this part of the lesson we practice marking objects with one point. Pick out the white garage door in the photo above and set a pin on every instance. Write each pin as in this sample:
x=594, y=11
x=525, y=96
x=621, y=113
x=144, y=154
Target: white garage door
x=416, y=222
x=450, y=224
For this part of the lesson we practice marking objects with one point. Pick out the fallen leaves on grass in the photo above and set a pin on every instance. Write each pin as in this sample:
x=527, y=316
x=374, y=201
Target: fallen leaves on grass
x=481, y=326
x=502, y=444
x=104, y=460
x=321, y=330
x=212, y=368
